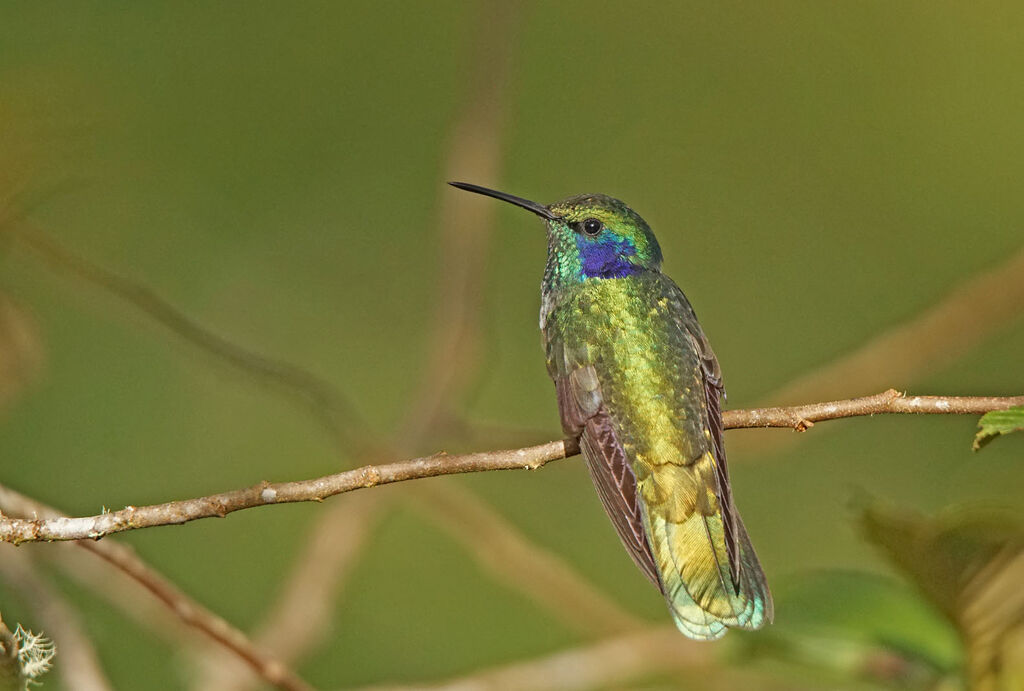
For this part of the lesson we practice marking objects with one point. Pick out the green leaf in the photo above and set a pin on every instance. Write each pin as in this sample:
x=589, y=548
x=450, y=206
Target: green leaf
x=970, y=566
x=998, y=422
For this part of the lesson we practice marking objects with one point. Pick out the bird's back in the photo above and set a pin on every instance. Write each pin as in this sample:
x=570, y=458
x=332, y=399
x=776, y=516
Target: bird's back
x=639, y=384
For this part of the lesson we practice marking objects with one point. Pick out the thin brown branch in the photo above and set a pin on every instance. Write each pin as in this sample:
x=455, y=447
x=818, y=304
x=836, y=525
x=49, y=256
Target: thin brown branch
x=464, y=231
x=968, y=315
x=475, y=153
x=272, y=670
x=797, y=421
x=18, y=530
x=328, y=406
x=119, y=590
x=971, y=313
x=888, y=402
x=185, y=608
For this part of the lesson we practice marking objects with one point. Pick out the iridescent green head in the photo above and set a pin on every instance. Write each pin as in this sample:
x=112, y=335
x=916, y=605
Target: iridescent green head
x=590, y=236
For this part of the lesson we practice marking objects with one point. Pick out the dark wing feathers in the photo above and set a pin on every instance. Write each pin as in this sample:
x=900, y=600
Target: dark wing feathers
x=744, y=569
x=701, y=610
x=609, y=469
x=584, y=416
x=616, y=485
x=714, y=391
x=573, y=418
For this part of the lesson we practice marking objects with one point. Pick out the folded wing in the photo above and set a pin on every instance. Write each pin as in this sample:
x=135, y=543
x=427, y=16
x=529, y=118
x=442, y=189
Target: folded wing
x=675, y=516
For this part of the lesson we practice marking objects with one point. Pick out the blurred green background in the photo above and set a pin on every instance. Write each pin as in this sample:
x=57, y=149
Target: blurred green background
x=817, y=173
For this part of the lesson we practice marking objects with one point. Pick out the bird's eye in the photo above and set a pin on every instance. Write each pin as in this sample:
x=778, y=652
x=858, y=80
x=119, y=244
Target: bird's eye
x=592, y=226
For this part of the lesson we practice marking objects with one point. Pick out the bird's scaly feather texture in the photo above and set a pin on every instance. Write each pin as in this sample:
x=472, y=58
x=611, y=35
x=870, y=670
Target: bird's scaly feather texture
x=639, y=386
x=637, y=381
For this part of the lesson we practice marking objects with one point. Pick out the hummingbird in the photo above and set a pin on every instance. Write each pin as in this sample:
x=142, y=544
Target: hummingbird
x=639, y=386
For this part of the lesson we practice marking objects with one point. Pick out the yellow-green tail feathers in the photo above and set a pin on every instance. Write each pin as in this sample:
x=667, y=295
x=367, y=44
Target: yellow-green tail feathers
x=693, y=565
x=638, y=384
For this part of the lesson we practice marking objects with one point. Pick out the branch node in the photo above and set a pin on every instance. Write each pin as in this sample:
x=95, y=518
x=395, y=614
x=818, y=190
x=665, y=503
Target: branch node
x=373, y=474
x=798, y=418
x=802, y=424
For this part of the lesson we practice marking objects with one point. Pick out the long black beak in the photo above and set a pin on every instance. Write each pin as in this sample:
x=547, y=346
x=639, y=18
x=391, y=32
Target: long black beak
x=536, y=208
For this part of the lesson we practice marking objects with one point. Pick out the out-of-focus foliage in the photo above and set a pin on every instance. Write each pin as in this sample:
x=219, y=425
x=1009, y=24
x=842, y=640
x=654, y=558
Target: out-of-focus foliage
x=997, y=423
x=816, y=173
x=857, y=626
x=971, y=568
x=20, y=350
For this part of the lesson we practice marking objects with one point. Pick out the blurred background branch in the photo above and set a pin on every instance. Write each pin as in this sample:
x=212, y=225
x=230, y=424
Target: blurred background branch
x=262, y=186
x=18, y=530
x=79, y=666
x=323, y=400
x=976, y=310
x=185, y=608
